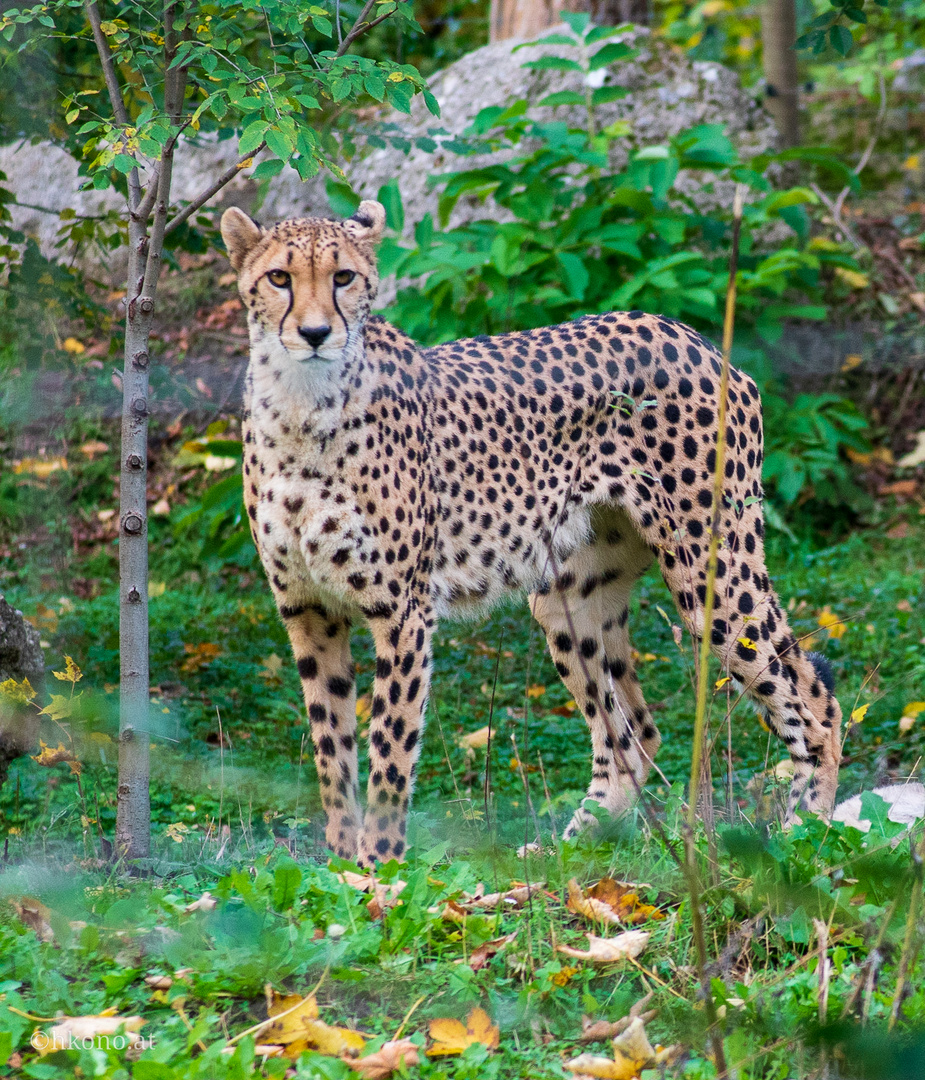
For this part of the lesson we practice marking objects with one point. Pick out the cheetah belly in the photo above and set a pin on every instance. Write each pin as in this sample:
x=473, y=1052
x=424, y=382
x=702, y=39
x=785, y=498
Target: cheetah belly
x=313, y=539
x=476, y=566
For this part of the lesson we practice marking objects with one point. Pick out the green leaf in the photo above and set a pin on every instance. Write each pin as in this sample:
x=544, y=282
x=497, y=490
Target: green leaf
x=576, y=273
x=609, y=54
x=576, y=21
x=563, y=97
x=342, y=199
x=252, y=137
x=605, y=94
x=433, y=106
x=286, y=881
x=390, y=197
x=841, y=40
x=323, y=25
x=124, y=163
x=554, y=63
x=267, y=169
x=278, y=143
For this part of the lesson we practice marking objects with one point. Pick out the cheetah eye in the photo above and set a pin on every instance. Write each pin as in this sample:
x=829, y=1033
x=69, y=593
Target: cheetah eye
x=344, y=277
x=279, y=278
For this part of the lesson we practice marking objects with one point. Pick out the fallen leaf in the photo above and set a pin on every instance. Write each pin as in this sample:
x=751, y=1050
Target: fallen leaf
x=105, y=515
x=80, y=1028
x=831, y=622
x=475, y=740
x=199, y=655
x=903, y=605
x=917, y=299
x=601, y=1030
x=156, y=588
x=515, y=897
x=536, y=691
x=910, y=714
x=34, y=914
x=452, y=1036
x=453, y=912
x=159, y=982
x=615, y=903
x=904, y=488
x=480, y=956
x=298, y=1029
x=853, y=278
x=899, y=531
x=161, y=508
x=632, y=1052
x=385, y=894
x=852, y=360
x=565, y=710
x=40, y=467
x=93, y=447
x=625, y=946
x=73, y=346
x=916, y=456
x=364, y=708
x=206, y=902
x=389, y=1057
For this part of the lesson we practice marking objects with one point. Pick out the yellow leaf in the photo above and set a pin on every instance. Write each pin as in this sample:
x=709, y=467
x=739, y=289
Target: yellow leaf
x=452, y=1036
x=747, y=643
x=156, y=588
x=72, y=345
x=536, y=691
x=396, y=76
x=611, y=902
x=40, y=467
x=71, y=673
x=364, y=708
x=859, y=713
x=627, y=945
x=47, y=757
x=854, y=278
x=632, y=1052
x=601, y=1068
x=836, y=627
x=299, y=1029
x=852, y=361
x=910, y=714
x=720, y=683
x=199, y=655
x=20, y=693
x=476, y=740
x=912, y=162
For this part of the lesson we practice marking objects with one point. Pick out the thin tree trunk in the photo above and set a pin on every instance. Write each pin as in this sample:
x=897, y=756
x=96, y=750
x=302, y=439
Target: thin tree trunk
x=529, y=18
x=781, y=72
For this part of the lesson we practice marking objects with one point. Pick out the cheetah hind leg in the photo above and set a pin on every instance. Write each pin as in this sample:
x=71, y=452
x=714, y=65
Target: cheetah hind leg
x=584, y=615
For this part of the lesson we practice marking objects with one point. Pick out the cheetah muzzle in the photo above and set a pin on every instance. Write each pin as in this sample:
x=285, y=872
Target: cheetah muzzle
x=398, y=485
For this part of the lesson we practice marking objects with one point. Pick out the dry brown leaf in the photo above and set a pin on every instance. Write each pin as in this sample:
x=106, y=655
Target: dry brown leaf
x=452, y=1036
x=475, y=740
x=34, y=914
x=628, y=945
x=611, y=902
x=206, y=902
x=601, y=1030
x=391, y=1056
x=453, y=912
x=159, y=982
x=515, y=897
x=480, y=956
x=94, y=447
x=905, y=488
x=385, y=894
x=79, y=1028
x=60, y=755
x=899, y=531
x=632, y=1052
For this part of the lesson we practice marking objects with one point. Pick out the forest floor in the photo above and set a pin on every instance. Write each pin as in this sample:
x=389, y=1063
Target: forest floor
x=240, y=896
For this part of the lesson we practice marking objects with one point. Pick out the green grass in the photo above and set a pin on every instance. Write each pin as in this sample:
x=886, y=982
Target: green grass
x=234, y=798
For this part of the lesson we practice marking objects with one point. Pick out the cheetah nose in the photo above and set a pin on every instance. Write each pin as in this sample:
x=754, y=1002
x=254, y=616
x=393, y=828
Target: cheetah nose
x=314, y=335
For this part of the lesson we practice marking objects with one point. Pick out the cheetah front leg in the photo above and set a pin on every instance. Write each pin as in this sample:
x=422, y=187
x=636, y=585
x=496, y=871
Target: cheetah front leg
x=400, y=693
x=321, y=645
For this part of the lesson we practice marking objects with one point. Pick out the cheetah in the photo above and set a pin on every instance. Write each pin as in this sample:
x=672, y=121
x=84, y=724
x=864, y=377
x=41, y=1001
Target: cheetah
x=400, y=485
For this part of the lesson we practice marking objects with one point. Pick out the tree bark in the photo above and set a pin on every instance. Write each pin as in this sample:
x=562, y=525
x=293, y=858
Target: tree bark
x=529, y=18
x=781, y=71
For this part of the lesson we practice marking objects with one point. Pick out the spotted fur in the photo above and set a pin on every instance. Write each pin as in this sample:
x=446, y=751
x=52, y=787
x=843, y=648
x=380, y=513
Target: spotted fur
x=399, y=485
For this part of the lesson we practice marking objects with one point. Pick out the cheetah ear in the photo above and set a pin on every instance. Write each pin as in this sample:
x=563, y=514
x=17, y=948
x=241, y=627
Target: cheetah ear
x=367, y=223
x=240, y=234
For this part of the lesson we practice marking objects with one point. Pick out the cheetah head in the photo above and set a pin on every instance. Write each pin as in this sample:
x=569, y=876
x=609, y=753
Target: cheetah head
x=308, y=284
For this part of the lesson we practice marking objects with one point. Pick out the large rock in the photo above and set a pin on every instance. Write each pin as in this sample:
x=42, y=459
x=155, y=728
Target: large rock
x=668, y=93
x=21, y=657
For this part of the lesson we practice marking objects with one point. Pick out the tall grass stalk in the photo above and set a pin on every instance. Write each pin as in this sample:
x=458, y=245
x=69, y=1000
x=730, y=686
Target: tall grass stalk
x=700, y=716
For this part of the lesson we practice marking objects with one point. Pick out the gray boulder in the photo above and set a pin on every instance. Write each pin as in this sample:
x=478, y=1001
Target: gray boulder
x=667, y=93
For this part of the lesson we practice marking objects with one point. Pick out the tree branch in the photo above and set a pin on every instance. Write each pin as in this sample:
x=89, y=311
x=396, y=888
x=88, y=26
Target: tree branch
x=213, y=189
x=357, y=28
x=119, y=111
